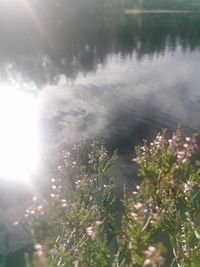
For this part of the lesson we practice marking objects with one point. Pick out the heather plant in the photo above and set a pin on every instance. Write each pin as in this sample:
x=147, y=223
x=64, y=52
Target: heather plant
x=166, y=201
x=160, y=223
x=74, y=223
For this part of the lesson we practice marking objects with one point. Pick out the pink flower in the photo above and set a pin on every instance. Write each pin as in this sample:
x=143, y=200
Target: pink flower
x=39, y=250
x=138, y=206
x=147, y=262
x=170, y=141
x=184, y=161
x=90, y=231
x=38, y=247
x=134, y=215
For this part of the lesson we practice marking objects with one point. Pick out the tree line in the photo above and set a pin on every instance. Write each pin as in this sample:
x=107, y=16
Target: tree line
x=157, y=4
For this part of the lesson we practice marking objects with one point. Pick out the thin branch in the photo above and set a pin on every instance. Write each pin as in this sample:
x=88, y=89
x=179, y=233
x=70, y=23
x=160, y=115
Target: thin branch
x=173, y=261
x=146, y=224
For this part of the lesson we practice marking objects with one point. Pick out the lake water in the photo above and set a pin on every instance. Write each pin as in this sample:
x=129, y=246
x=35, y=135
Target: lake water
x=117, y=77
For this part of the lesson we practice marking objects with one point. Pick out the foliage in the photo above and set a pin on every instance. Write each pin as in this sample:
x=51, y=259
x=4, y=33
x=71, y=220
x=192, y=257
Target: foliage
x=75, y=222
x=166, y=201
x=160, y=225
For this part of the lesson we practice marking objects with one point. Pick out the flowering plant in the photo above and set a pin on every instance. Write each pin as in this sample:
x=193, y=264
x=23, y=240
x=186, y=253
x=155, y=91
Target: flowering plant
x=163, y=214
x=160, y=222
x=76, y=220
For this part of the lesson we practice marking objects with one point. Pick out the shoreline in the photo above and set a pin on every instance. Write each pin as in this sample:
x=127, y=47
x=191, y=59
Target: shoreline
x=159, y=11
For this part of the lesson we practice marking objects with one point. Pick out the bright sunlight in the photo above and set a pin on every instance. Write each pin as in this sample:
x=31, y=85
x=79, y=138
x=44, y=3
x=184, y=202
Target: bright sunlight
x=19, y=148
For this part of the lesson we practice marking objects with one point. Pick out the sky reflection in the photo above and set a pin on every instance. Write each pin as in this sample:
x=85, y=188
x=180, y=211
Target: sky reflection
x=123, y=101
x=121, y=96
x=19, y=136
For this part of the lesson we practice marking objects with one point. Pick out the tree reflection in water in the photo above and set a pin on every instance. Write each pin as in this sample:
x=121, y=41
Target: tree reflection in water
x=67, y=38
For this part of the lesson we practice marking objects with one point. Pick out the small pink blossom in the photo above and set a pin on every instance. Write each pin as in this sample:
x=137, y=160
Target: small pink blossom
x=90, y=231
x=147, y=262
x=39, y=250
x=150, y=251
x=170, y=142
x=134, y=215
x=138, y=205
x=186, y=187
x=38, y=246
x=184, y=161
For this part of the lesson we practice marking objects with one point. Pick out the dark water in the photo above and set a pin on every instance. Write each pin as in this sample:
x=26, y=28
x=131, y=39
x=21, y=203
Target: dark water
x=117, y=77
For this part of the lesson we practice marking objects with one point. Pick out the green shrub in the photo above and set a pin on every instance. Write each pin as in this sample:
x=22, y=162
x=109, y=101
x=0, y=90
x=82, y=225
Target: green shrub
x=160, y=225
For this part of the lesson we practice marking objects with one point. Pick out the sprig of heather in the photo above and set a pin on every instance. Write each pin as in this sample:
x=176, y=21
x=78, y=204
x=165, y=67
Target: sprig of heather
x=166, y=201
x=74, y=222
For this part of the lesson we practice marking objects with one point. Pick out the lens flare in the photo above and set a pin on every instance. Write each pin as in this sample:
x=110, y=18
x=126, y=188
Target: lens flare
x=19, y=141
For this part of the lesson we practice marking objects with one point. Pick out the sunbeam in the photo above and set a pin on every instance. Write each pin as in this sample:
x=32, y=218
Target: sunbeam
x=19, y=144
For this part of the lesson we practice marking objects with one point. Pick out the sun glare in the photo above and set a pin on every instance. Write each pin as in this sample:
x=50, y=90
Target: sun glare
x=19, y=146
